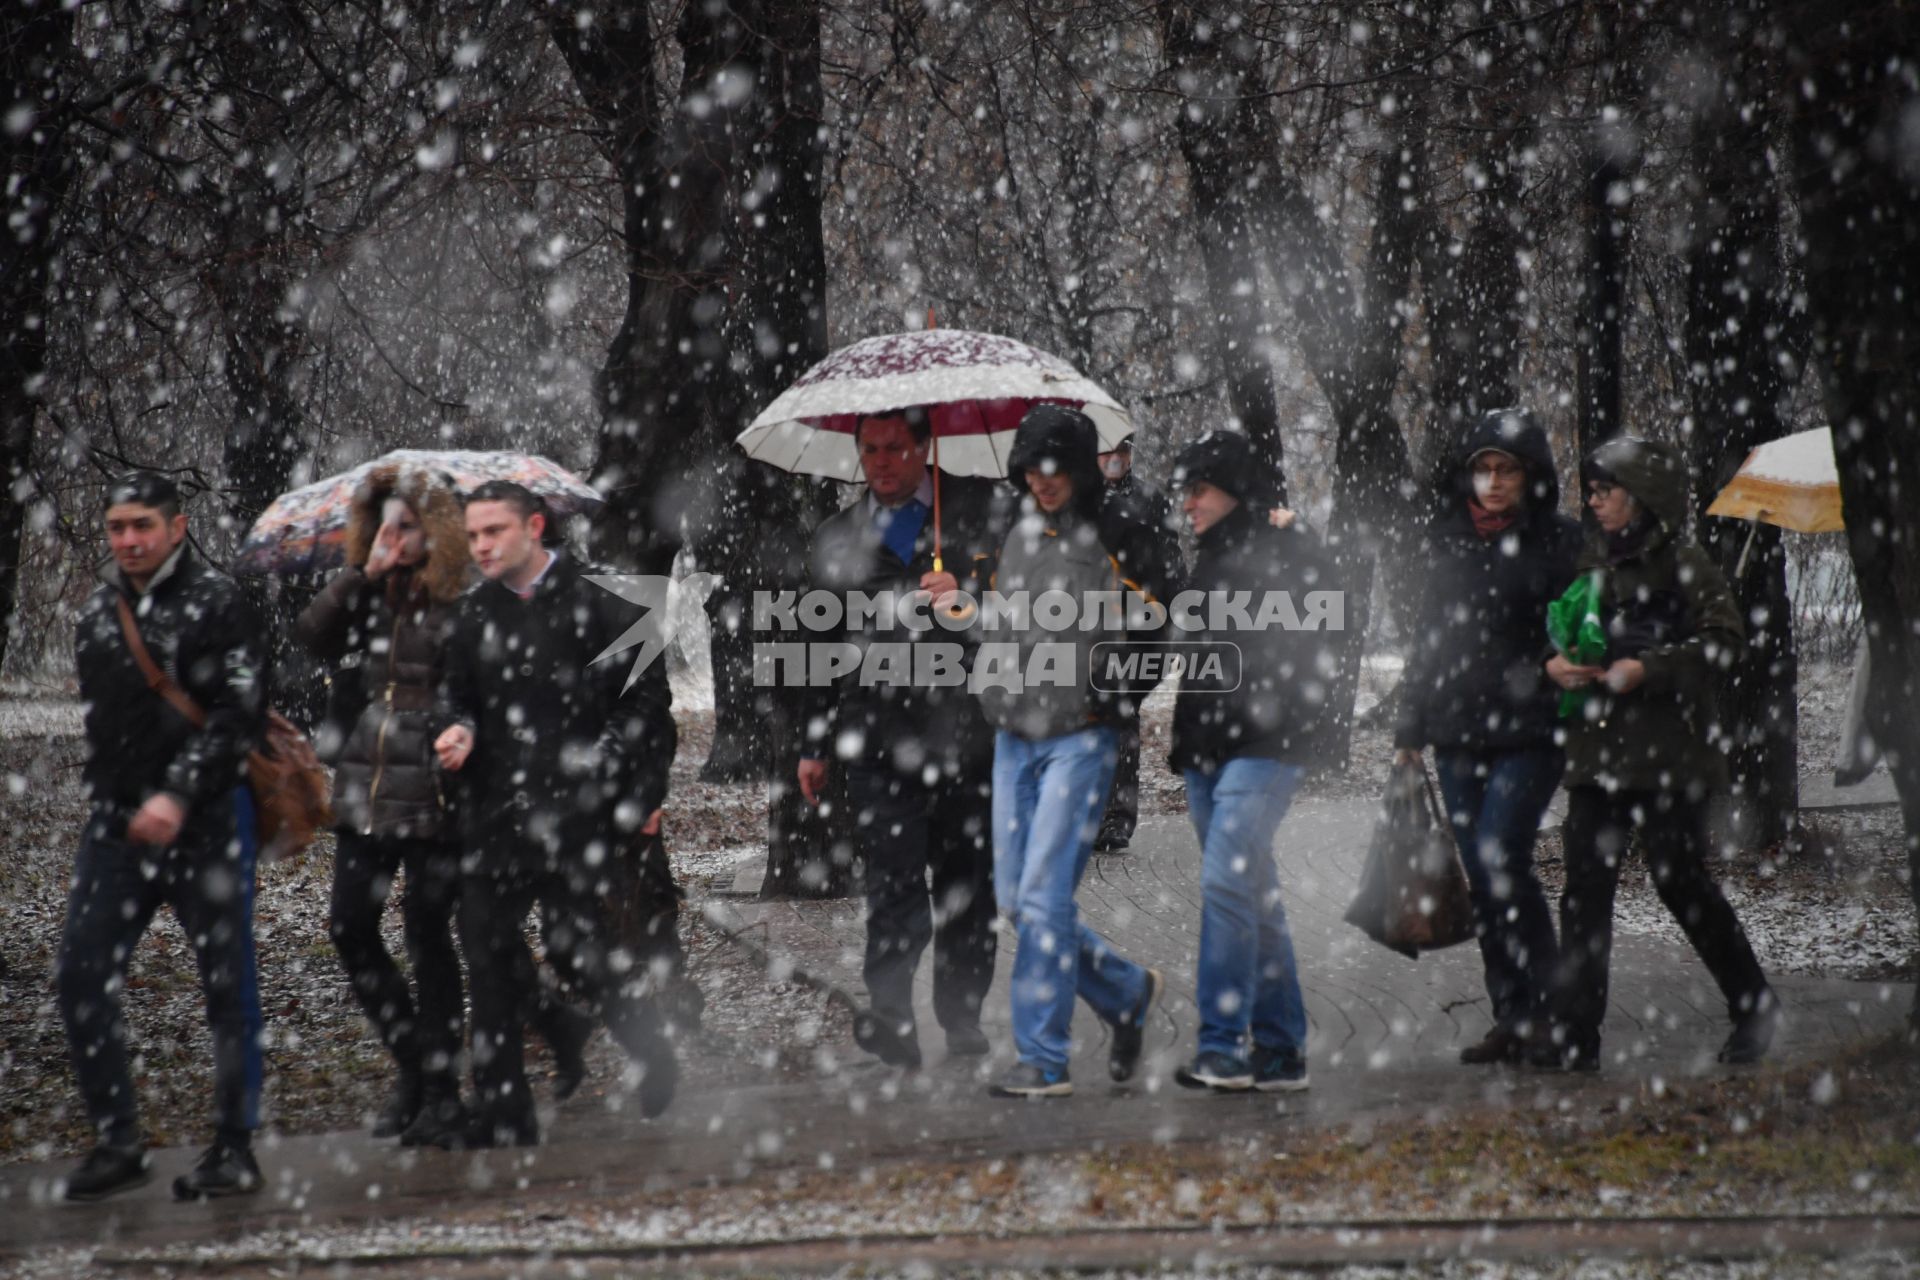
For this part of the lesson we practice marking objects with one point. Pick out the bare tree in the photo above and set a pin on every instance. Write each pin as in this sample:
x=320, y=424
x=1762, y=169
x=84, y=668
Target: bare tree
x=35, y=42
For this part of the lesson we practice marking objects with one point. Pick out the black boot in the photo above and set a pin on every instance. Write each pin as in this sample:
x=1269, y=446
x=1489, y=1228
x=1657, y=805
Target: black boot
x=442, y=1121
x=224, y=1169
x=401, y=1108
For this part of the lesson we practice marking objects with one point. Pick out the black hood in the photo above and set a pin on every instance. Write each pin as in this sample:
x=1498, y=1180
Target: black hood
x=1224, y=459
x=1653, y=473
x=1068, y=439
x=1518, y=433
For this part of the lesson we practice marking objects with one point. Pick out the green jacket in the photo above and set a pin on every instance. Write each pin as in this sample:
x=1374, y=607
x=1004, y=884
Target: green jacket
x=1667, y=604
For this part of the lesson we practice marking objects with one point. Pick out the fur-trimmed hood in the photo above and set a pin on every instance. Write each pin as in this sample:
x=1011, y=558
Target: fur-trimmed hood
x=432, y=497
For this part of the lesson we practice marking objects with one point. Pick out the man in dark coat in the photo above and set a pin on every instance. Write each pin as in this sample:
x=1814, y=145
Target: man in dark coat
x=564, y=766
x=1497, y=552
x=1244, y=733
x=1137, y=502
x=1643, y=752
x=170, y=821
x=918, y=758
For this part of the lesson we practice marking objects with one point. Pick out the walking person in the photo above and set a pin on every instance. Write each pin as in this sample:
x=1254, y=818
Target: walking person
x=1497, y=552
x=919, y=759
x=390, y=611
x=1134, y=500
x=564, y=766
x=1054, y=754
x=170, y=821
x=1243, y=736
x=1642, y=753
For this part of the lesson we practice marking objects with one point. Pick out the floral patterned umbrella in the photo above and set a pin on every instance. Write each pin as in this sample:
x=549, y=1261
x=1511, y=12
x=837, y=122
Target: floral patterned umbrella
x=975, y=386
x=304, y=530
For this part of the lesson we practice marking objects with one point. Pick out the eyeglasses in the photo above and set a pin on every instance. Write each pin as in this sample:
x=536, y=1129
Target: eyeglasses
x=1601, y=489
x=1498, y=470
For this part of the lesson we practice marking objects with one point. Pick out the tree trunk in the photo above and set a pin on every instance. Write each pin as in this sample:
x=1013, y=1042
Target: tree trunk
x=1735, y=323
x=34, y=43
x=1860, y=218
x=1599, y=359
x=726, y=304
x=1226, y=138
x=1349, y=327
x=1472, y=284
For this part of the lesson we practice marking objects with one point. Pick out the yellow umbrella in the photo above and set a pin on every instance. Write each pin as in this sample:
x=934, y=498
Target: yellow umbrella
x=1791, y=482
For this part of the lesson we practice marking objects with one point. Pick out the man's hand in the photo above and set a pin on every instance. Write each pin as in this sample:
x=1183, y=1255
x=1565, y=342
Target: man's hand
x=1281, y=518
x=1571, y=675
x=453, y=747
x=1626, y=675
x=159, y=820
x=813, y=780
x=652, y=827
x=940, y=586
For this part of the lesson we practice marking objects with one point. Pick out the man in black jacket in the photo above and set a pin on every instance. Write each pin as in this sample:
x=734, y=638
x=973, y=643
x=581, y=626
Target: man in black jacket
x=919, y=758
x=171, y=821
x=1131, y=499
x=1244, y=732
x=563, y=765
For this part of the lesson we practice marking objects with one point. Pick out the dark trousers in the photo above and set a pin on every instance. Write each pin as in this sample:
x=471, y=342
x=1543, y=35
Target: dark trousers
x=1123, y=799
x=424, y=1040
x=906, y=829
x=580, y=946
x=1672, y=831
x=1494, y=801
x=207, y=878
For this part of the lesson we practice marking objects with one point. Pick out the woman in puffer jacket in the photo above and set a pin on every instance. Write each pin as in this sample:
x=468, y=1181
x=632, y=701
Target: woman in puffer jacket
x=389, y=612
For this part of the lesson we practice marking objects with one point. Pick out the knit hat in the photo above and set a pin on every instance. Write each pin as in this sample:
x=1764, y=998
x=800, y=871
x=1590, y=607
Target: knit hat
x=1224, y=459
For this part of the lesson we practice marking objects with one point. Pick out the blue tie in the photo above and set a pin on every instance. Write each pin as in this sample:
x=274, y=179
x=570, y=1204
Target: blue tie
x=900, y=527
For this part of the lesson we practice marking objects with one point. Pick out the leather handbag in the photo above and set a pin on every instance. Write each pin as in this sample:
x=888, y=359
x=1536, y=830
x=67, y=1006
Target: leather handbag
x=292, y=798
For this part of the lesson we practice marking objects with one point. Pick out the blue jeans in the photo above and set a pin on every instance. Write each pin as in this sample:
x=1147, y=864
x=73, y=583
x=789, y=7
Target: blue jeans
x=1047, y=799
x=1249, y=986
x=1494, y=801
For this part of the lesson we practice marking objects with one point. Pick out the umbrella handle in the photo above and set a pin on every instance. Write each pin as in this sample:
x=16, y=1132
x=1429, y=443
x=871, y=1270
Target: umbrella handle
x=1753, y=531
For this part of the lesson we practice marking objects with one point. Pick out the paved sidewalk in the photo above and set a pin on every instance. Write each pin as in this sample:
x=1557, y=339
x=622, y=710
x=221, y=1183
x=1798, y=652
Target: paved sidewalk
x=1372, y=1011
x=1385, y=1032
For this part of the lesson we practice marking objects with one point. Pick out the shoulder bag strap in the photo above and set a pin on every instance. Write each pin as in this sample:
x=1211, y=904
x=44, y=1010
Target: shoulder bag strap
x=157, y=679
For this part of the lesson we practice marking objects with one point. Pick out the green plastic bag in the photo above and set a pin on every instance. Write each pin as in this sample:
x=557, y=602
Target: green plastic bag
x=1574, y=626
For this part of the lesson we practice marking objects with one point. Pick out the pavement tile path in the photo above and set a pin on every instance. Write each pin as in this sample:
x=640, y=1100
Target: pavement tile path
x=1385, y=1035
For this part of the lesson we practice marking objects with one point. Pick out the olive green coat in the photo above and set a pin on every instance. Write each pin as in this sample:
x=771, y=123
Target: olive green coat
x=1668, y=605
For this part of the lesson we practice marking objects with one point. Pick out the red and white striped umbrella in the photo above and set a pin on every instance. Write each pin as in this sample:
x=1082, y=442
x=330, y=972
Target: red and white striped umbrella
x=975, y=387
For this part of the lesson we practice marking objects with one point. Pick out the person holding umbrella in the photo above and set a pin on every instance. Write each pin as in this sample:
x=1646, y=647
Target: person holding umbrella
x=1643, y=754
x=918, y=759
x=390, y=611
x=1054, y=756
x=564, y=763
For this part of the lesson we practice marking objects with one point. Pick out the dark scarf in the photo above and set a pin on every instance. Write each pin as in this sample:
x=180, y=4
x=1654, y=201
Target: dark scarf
x=1489, y=524
x=1633, y=539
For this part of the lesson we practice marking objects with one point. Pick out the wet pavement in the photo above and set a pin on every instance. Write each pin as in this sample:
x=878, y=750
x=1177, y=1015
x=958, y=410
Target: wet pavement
x=1386, y=1032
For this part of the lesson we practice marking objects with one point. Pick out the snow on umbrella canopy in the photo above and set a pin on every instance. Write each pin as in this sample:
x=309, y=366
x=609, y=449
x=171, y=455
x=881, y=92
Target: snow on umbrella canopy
x=1791, y=482
x=304, y=531
x=975, y=386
